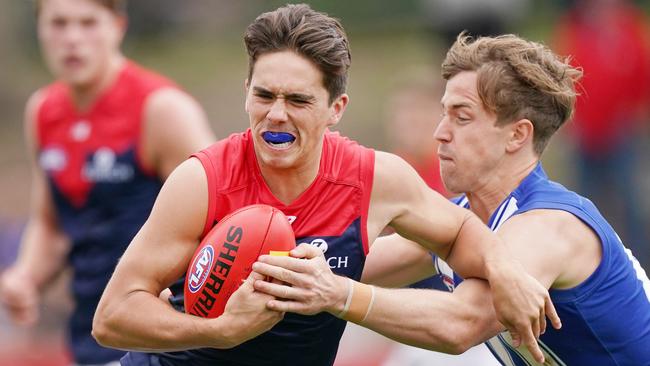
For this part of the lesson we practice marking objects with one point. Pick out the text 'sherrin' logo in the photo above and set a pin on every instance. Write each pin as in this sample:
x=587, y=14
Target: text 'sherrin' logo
x=105, y=168
x=217, y=274
x=201, y=268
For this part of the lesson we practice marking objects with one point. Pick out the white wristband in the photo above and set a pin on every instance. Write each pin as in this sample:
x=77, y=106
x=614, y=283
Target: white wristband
x=372, y=301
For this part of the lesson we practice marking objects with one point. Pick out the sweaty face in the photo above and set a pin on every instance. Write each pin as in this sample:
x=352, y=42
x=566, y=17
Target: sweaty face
x=78, y=39
x=289, y=111
x=471, y=145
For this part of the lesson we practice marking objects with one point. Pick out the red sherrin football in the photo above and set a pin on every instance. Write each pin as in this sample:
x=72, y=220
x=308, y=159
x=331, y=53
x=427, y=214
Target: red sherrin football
x=226, y=255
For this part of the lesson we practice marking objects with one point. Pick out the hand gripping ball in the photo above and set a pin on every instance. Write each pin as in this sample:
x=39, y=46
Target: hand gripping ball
x=225, y=257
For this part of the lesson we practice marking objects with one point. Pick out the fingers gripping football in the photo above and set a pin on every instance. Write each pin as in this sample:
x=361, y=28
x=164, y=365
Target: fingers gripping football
x=310, y=286
x=247, y=311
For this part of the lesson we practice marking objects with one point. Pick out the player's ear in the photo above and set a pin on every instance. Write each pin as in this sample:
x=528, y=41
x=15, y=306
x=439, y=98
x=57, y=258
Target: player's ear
x=338, y=108
x=521, y=134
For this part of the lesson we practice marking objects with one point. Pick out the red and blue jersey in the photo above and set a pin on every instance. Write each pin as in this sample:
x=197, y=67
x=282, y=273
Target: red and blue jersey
x=331, y=214
x=101, y=190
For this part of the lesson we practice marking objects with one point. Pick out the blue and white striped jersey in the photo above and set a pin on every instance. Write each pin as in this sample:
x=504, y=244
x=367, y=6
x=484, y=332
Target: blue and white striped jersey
x=605, y=319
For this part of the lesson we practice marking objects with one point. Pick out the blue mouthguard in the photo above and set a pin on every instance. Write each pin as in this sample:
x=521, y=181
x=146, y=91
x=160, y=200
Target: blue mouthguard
x=277, y=137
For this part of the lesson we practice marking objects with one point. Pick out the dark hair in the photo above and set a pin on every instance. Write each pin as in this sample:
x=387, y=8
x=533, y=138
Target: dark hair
x=116, y=6
x=314, y=35
x=518, y=79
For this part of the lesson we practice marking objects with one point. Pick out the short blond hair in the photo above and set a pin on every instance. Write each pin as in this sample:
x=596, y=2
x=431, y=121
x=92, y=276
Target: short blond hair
x=518, y=79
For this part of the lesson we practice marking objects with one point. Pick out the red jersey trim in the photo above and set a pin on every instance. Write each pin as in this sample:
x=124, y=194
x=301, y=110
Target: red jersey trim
x=367, y=180
x=210, y=173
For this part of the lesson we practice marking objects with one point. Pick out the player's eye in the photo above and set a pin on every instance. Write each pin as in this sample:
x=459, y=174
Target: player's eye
x=264, y=96
x=299, y=102
x=88, y=22
x=59, y=23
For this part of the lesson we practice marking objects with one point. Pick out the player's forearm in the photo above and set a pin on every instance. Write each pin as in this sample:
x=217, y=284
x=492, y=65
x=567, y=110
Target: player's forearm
x=395, y=261
x=476, y=250
x=422, y=318
x=435, y=320
x=43, y=252
x=143, y=322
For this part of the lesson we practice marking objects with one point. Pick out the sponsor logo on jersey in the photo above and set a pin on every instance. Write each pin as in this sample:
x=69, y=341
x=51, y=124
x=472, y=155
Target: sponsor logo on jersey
x=201, y=268
x=105, y=168
x=52, y=159
x=320, y=244
x=333, y=261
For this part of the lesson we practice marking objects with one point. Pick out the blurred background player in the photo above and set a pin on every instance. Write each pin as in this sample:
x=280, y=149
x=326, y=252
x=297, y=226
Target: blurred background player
x=610, y=40
x=103, y=137
x=447, y=18
x=412, y=111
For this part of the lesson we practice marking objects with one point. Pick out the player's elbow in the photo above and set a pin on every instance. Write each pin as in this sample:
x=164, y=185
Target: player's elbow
x=454, y=343
x=100, y=333
x=460, y=345
x=102, y=328
x=457, y=337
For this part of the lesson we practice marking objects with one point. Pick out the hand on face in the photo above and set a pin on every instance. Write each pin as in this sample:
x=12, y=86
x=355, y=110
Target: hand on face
x=19, y=296
x=248, y=313
x=522, y=304
x=312, y=287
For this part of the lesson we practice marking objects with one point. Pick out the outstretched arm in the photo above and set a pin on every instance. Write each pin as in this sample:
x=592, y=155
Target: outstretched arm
x=435, y=320
x=131, y=315
x=554, y=246
x=401, y=199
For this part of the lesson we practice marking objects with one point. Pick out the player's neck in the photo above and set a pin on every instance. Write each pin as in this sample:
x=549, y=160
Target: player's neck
x=288, y=184
x=486, y=198
x=85, y=95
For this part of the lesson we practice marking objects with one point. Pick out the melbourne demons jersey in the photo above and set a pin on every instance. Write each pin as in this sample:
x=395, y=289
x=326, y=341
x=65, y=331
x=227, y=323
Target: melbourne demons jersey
x=101, y=191
x=331, y=215
x=605, y=319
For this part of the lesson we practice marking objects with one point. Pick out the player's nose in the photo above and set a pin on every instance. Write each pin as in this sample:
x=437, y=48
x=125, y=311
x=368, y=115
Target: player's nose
x=443, y=131
x=278, y=111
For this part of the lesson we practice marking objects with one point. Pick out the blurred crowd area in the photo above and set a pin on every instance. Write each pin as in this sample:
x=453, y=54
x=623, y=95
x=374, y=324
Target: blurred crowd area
x=395, y=91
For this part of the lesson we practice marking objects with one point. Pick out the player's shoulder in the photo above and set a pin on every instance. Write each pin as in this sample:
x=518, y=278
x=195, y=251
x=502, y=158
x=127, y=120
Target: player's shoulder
x=343, y=146
x=537, y=191
x=145, y=78
x=35, y=101
x=231, y=155
x=347, y=161
x=391, y=166
x=395, y=179
x=170, y=103
x=233, y=147
x=49, y=100
x=54, y=93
